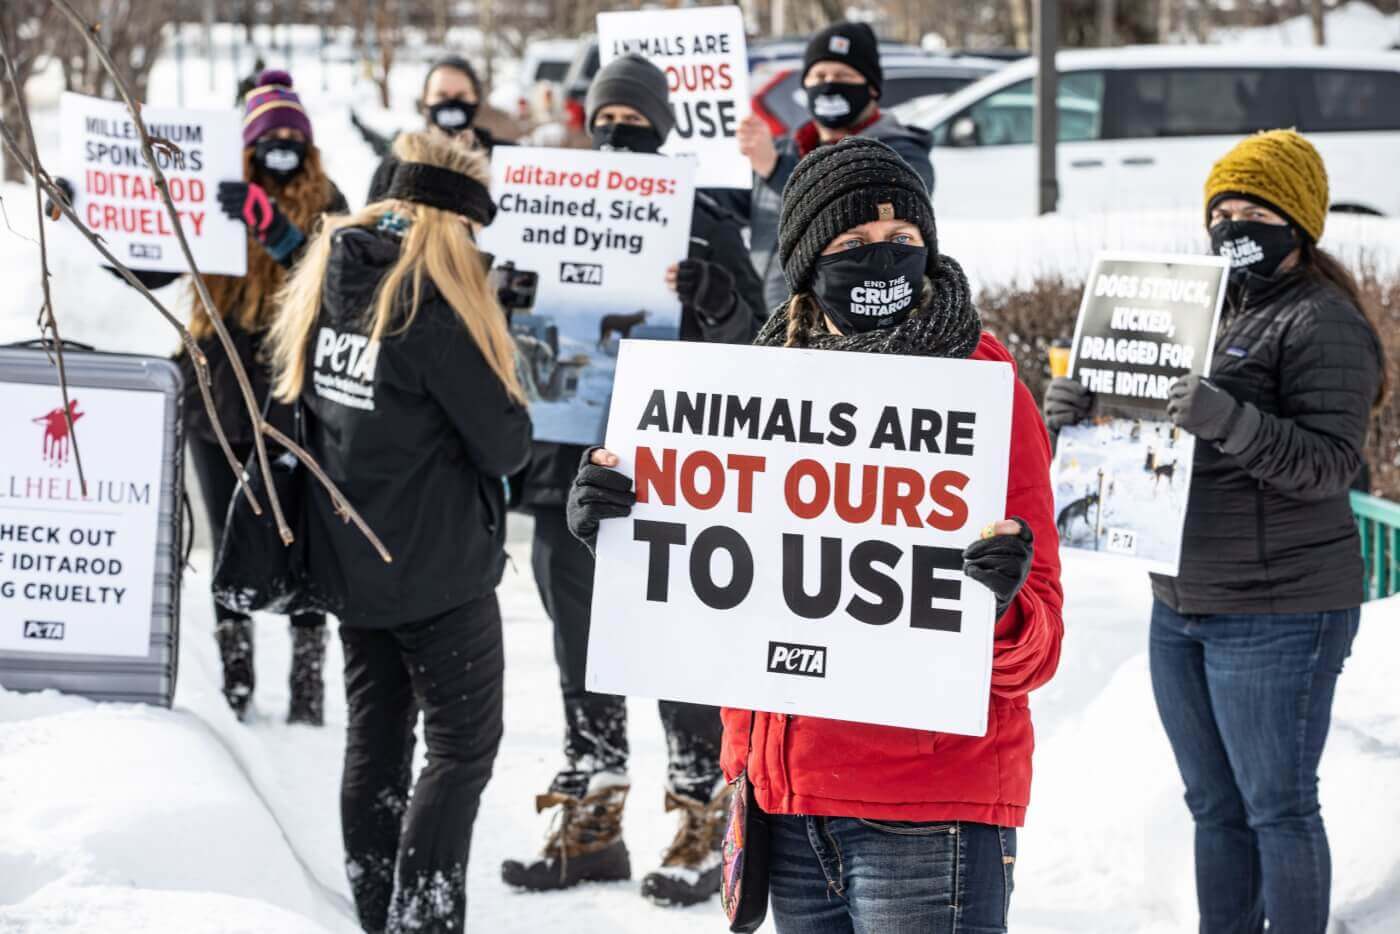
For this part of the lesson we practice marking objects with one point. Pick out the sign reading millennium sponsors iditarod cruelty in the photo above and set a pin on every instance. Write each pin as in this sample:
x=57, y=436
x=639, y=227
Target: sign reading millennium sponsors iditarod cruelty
x=1121, y=479
x=77, y=573
x=797, y=540
x=705, y=57
x=116, y=196
x=600, y=229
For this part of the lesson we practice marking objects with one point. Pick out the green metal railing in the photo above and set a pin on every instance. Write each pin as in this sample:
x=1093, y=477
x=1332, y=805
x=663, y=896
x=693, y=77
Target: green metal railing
x=1378, y=520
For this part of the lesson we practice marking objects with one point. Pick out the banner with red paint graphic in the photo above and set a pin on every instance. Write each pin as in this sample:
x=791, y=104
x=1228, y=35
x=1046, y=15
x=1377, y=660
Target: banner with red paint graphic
x=705, y=57
x=797, y=541
x=115, y=191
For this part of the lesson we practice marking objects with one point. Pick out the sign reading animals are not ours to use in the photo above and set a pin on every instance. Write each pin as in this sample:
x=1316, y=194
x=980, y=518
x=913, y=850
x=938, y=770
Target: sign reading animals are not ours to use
x=1121, y=479
x=798, y=536
x=115, y=193
x=705, y=57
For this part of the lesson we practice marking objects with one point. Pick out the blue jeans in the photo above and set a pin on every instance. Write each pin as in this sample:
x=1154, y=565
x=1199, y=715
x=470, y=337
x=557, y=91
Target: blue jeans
x=1246, y=700
x=842, y=875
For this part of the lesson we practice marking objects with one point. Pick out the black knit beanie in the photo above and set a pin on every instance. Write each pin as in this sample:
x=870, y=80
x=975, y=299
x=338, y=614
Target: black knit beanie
x=851, y=44
x=839, y=187
x=634, y=82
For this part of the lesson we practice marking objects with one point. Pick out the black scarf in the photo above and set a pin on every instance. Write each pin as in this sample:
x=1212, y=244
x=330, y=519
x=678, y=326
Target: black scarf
x=946, y=324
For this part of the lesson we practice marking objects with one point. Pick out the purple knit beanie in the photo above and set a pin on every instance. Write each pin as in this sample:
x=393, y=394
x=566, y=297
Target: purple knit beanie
x=273, y=105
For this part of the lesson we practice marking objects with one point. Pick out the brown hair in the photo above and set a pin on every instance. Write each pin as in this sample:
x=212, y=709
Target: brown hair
x=1324, y=267
x=247, y=300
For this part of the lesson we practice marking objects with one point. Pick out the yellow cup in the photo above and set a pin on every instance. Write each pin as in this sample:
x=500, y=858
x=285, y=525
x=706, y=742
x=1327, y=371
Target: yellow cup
x=1059, y=361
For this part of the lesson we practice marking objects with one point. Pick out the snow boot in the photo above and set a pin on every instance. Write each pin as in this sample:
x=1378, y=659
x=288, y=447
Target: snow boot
x=235, y=638
x=585, y=840
x=690, y=870
x=308, y=688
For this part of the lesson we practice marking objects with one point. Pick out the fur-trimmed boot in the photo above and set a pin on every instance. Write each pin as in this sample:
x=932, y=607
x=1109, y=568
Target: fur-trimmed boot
x=235, y=639
x=308, y=687
x=690, y=870
x=585, y=839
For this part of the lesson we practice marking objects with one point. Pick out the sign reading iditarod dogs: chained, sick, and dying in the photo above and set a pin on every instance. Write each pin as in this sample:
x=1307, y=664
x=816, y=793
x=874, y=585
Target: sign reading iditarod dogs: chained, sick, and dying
x=115, y=193
x=600, y=230
x=1121, y=478
x=797, y=540
x=77, y=572
x=705, y=57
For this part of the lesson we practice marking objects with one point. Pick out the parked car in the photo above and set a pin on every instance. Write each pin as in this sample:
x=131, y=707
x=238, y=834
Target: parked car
x=577, y=79
x=545, y=60
x=782, y=104
x=1140, y=127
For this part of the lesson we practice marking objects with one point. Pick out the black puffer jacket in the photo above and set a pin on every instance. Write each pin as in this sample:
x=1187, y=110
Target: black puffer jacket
x=419, y=434
x=715, y=237
x=1269, y=529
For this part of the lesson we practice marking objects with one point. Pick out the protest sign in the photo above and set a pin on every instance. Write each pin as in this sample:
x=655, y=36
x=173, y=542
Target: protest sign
x=78, y=572
x=115, y=192
x=797, y=540
x=705, y=57
x=600, y=230
x=1121, y=479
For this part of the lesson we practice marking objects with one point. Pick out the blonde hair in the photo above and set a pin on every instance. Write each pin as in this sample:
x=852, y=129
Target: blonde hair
x=436, y=244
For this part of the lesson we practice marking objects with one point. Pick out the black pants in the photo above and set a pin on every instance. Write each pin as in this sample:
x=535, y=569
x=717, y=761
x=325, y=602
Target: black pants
x=406, y=857
x=217, y=485
x=595, y=738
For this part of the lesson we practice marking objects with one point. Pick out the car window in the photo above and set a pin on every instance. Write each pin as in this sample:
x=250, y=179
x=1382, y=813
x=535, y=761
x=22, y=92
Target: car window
x=1338, y=101
x=551, y=71
x=898, y=88
x=1200, y=102
x=1007, y=117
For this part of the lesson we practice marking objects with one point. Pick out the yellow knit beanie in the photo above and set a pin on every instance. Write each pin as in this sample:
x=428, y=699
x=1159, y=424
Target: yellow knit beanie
x=1282, y=168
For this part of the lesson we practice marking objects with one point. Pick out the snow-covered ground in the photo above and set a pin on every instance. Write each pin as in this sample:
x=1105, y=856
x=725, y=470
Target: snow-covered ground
x=119, y=818
x=1354, y=25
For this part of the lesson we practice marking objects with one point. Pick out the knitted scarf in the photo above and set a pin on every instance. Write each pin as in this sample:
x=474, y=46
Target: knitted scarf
x=946, y=324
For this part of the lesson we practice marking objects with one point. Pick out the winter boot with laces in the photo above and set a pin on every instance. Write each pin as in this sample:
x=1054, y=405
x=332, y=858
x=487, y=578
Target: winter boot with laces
x=308, y=689
x=585, y=839
x=690, y=870
x=235, y=638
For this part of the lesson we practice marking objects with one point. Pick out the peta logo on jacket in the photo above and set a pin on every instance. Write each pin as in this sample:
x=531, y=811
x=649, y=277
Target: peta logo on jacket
x=343, y=370
x=791, y=658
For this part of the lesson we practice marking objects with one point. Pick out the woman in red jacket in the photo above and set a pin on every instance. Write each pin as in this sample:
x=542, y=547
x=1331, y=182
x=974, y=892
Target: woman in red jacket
x=874, y=828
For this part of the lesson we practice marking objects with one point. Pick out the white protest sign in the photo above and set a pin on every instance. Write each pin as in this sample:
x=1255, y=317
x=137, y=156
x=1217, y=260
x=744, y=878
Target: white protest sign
x=600, y=230
x=116, y=195
x=77, y=573
x=1122, y=479
x=705, y=57
x=797, y=542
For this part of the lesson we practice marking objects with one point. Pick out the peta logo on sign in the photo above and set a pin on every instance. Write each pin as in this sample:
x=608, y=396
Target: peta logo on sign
x=581, y=273
x=144, y=250
x=791, y=658
x=41, y=629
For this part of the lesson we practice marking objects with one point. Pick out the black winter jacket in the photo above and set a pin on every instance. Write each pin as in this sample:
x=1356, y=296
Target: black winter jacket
x=1269, y=528
x=419, y=435
x=764, y=203
x=715, y=237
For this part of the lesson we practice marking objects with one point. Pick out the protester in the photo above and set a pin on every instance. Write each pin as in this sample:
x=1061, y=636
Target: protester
x=449, y=104
x=281, y=198
x=877, y=828
x=721, y=301
x=392, y=341
x=1249, y=638
x=842, y=77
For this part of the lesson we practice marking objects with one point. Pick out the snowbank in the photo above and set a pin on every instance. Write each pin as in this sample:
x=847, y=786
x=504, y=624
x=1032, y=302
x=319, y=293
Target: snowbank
x=1353, y=25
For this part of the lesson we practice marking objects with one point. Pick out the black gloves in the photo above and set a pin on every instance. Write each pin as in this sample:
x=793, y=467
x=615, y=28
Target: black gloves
x=1001, y=563
x=1067, y=402
x=53, y=211
x=598, y=493
x=1210, y=413
x=706, y=287
x=249, y=203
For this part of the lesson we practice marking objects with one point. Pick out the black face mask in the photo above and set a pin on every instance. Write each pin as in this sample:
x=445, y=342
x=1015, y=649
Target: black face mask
x=837, y=105
x=452, y=116
x=282, y=159
x=1255, y=249
x=870, y=287
x=626, y=137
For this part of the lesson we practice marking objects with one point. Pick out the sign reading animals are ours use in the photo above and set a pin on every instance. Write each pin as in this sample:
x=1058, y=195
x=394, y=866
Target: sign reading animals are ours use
x=797, y=541
x=115, y=193
x=705, y=57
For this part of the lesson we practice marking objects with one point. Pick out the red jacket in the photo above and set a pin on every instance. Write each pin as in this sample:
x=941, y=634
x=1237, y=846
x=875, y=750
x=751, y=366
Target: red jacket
x=807, y=765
